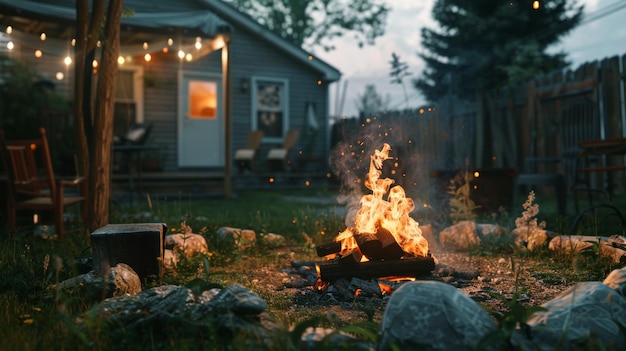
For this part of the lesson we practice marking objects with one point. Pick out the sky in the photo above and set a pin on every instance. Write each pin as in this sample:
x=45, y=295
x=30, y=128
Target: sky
x=602, y=34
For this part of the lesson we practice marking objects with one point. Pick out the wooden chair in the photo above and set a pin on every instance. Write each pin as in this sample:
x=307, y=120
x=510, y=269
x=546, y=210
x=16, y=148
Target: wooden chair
x=32, y=185
x=278, y=158
x=244, y=158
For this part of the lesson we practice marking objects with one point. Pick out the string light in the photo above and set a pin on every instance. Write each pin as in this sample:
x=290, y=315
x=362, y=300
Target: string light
x=536, y=5
x=126, y=58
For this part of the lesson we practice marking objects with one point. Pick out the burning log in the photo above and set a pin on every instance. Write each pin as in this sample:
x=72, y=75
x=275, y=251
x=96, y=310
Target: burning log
x=326, y=249
x=409, y=267
x=375, y=246
x=379, y=245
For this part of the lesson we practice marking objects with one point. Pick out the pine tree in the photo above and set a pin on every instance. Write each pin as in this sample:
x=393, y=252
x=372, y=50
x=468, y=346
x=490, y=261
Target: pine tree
x=486, y=44
x=482, y=47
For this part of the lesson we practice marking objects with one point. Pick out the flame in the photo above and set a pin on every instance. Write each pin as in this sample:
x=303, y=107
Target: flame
x=391, y=214
x=320, y=285
x=385, y=289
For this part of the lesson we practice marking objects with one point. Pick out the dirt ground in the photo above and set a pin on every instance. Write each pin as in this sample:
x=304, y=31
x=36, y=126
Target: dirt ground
x=488, y=280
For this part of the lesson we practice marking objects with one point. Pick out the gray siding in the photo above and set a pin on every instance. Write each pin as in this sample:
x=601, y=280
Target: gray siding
x=249, y=56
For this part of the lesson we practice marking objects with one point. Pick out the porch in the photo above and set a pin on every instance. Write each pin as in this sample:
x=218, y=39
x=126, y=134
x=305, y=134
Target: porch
x=210, y=183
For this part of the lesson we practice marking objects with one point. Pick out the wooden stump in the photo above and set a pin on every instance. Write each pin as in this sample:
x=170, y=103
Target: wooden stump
x=138, y=245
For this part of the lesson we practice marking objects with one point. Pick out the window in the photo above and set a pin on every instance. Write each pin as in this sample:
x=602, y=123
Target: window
x=202, y=99
x=128, y=99
x=270, y=107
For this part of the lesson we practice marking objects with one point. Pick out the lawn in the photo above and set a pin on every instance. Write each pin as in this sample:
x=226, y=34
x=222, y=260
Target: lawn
x=34, y=317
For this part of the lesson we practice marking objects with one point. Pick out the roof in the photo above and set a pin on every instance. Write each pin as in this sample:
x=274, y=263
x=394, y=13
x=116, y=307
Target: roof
x=181, y=17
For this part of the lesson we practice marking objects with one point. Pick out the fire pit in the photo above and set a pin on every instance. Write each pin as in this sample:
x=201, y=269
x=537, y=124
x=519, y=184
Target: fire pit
x=384, y=240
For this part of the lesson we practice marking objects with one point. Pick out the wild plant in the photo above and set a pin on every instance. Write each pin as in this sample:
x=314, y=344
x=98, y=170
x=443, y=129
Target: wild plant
x=528, y=220
x=462, y=207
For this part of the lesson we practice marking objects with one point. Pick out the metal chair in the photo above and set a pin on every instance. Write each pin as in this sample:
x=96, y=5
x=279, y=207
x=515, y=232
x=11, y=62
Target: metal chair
x=32, y=185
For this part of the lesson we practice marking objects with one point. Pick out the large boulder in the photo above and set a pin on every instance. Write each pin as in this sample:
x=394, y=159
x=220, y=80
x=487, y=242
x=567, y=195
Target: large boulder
x=430, y=315
x=161, y=313
x=589, y=313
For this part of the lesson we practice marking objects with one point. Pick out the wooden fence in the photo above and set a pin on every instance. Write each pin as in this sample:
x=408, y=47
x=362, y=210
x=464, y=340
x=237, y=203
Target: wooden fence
x=453, y=135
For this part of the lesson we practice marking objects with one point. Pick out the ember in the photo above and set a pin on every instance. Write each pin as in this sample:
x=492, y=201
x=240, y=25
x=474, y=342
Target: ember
x=385, y=240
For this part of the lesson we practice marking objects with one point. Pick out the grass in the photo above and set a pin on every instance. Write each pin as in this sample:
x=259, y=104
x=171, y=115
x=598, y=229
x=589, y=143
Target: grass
x=34, y=316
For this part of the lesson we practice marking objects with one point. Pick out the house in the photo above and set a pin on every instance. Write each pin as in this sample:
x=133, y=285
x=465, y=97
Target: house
x=200, y=72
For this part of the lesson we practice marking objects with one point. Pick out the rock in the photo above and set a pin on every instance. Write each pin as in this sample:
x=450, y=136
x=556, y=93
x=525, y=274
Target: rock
x=273, y=240
x=460, y=236
x=183, y=245
x=92, y=286
x=616, y=280
x=229, y=312
x=187, y=243
x=588, y=312
x=238, y=299
x=572, y=243
x=531, y=238
x=237, y=238
x=578, y=243
x=317, y=338
x=466, y=234
x=170, y=260
x=430, y=315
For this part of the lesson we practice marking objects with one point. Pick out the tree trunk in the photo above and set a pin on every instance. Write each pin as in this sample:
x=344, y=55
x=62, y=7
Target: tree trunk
x=94, y=123
x=87, y=30
x=100, y=150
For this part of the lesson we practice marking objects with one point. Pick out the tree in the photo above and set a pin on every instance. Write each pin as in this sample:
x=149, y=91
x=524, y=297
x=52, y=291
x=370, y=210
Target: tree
x=311, y=23
x=399, y=71
x=94, y=116
x=484, y=46
x=371, y=102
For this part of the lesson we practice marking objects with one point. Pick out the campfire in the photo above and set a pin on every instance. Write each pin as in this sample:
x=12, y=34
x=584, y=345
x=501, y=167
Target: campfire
x=384, y=240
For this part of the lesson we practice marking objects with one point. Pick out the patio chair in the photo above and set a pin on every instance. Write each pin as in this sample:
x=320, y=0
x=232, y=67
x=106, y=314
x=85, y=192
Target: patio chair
x=244, y=158
x=137, y=135
x=278, y=158
x=32, y=185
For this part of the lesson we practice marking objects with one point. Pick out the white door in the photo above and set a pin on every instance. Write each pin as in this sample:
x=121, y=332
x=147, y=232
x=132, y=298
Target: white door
x=200, y=120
